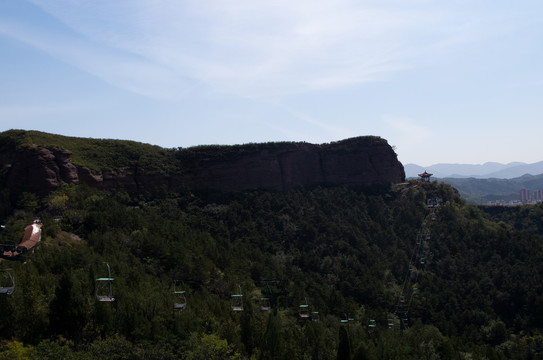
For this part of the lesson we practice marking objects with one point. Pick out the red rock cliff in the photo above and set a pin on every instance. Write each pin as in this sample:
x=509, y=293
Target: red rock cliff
x=272, y=166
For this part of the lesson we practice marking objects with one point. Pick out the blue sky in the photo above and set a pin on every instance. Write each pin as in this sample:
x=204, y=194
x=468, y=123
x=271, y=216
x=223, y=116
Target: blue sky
x=443, y=81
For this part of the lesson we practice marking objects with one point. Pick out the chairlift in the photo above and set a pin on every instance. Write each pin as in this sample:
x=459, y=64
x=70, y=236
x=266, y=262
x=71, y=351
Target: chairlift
x=104, y=287
x=265, y=304
x=237, y=301
x=180, y=301
x=7, y=282
x=390, y=323
x=346, y=319
x=303, y=310
x=315, y=316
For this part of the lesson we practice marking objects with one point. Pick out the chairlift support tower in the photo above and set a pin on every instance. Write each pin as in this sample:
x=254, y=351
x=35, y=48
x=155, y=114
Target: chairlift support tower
x=273, y=289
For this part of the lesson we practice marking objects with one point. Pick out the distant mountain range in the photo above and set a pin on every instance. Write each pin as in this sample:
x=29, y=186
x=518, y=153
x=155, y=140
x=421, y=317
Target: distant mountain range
x=483, y=191
x=485, y=171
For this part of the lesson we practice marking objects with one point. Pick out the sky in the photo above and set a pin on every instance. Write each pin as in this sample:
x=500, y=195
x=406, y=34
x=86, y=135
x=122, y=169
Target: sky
x=442, y=81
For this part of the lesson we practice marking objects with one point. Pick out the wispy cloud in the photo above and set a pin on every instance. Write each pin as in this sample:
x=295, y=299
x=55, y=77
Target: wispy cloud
x=164, y=48
x=133, y=73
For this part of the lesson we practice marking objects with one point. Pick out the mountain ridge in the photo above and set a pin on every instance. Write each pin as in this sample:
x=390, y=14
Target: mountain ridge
x=481, y=171
x=39, y=162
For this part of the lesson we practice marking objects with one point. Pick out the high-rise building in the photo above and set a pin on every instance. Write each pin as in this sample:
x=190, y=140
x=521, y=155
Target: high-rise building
x=524, y=195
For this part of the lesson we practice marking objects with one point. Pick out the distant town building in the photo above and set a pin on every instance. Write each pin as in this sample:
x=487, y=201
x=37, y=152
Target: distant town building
x=524, y=195
x=527, y=198
x=538, y=195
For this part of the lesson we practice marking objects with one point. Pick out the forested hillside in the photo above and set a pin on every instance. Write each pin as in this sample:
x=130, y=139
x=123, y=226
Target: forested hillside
x=345, y=252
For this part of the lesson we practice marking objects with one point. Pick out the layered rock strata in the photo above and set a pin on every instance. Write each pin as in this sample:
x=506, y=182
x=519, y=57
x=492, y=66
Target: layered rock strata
x=273, y=166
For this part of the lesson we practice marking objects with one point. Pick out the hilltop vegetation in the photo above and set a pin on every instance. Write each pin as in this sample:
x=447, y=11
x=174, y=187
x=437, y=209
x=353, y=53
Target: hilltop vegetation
x=95, y=154
x=37, y=162
x=107, y=154
x=343, y=251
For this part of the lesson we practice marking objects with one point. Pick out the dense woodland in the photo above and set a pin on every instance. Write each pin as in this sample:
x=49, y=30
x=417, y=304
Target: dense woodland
x=344, y=252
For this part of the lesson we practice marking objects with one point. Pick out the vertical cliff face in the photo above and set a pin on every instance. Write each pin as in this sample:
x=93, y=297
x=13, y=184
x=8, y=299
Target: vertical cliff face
x=272, y=166
x=358, y=161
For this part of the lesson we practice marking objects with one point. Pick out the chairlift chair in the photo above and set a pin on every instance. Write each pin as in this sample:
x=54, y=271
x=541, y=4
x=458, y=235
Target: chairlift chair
x=7, y=286
x=180, y=301
x=303, y=311
x=315, y=316
x=237, y=301
x=265, y=304
x=372, y=325
x=104, y=287
x=390, y=323
x=346, y=319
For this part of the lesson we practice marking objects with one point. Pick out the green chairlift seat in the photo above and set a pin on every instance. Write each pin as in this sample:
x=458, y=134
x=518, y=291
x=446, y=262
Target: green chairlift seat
x=180, y=301
x=390, y=323
x=104, y=287
x=237, y=301
x=304, y=310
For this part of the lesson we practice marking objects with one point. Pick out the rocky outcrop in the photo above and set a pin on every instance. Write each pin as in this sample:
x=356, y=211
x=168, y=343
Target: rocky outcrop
x=358, y=161
x=272, y=166
x=38, y=170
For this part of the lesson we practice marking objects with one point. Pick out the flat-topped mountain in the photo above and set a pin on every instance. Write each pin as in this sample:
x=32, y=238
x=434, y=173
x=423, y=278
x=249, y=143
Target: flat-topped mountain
x=39, y=162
